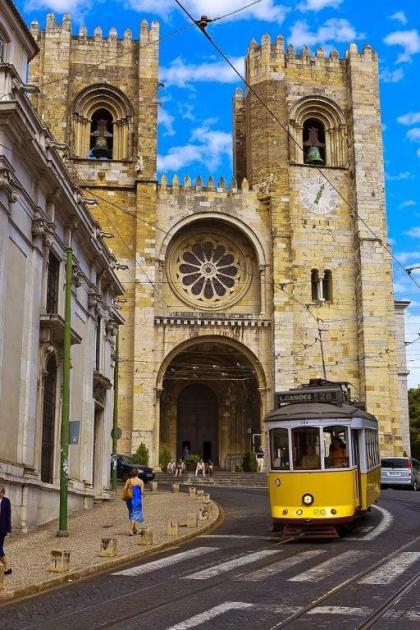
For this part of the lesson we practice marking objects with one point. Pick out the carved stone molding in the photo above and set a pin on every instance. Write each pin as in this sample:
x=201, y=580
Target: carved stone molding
x=9, y=184
x=94, y=300
x=42, y=228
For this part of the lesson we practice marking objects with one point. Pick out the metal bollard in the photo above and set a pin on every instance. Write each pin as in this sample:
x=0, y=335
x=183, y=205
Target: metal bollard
x=60, y=561
x=172, y=529
x=153, y=486
x=200, y=493
x=108, y=547
x=146, y=536
x=206, y=498
x=192, y=491
x=175, y=487
x=192, y=520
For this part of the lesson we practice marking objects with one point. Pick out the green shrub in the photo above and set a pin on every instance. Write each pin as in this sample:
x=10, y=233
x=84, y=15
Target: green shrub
x=192, y=458
x=249, y=462
x=164, y=457
x=141, y=456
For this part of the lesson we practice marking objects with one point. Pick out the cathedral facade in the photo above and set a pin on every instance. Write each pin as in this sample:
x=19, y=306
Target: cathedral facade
x=233, y=292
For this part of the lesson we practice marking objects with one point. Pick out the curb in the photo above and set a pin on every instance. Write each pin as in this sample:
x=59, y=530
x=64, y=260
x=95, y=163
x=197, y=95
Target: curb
x=7, y=597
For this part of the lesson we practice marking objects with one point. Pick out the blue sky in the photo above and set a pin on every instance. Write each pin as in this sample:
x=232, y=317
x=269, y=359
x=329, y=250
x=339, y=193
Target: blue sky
x=195, y=116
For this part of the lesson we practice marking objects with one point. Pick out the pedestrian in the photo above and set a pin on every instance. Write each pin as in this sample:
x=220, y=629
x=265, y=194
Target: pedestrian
x=209, y=468
x=133, y=496
x=5, y=527
x=170, y=469
x=185, y=451
x=200, y=468
x=260, y=459
x=179, y=467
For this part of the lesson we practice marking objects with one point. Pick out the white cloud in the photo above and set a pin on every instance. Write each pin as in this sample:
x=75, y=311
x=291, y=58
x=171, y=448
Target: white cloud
x=408, y=40
x=206, y=146
x=405, y=257
x=412, y=118
x=183, y=74
x=391, y=76
x=268, y=11
x=318, y=5
x=61, y=6
x=400, y=176
x=414, y=134
x=333, y=30
x=407, y=204
x=414, y=232
x=400, y=17
x=167, y=121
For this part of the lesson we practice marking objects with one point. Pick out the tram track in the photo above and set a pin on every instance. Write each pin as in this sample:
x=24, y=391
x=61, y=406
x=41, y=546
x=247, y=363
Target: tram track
x=376, y=614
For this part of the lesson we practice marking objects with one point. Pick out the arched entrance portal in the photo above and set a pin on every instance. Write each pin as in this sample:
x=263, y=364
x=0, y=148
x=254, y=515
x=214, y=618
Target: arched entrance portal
x=197, y=421
x=211, y=401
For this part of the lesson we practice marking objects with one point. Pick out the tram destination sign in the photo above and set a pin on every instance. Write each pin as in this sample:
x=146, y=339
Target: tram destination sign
x=316, y=395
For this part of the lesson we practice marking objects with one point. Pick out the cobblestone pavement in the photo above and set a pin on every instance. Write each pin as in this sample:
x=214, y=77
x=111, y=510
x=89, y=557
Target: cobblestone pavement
x=30, y=554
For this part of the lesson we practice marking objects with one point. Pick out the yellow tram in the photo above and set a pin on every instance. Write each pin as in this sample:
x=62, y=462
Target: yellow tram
x=324, y=463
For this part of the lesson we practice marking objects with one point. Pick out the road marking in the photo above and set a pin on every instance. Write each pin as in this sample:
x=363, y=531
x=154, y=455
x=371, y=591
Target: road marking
x=374, y=532
x=239, y=536
x=327, y=568
x=165, y=562
x=229, y=565
x=279, y=567
x=340, y=610
x=389, y=571
x=207, y=615
x=411, y=615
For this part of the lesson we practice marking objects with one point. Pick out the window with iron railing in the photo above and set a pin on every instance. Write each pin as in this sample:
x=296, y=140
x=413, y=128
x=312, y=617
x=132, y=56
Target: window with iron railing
x=52, y=284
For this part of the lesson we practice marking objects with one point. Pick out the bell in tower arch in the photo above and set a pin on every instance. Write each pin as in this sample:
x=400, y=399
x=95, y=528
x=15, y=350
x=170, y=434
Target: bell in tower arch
x=101, y=141
x=313, y=144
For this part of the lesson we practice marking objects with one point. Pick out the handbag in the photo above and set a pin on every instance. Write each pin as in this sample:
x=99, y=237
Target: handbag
x=127, y=493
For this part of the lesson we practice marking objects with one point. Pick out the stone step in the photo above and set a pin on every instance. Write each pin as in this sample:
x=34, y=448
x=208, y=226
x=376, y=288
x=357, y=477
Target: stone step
x=224, y=478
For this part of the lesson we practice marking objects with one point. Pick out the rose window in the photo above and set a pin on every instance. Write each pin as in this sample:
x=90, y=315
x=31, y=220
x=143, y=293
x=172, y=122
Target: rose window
x=209, y=270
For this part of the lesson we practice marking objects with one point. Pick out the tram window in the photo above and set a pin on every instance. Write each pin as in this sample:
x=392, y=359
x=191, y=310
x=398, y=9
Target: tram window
x=306, y=449
x=279, y=446
x=335, y=444
x=372, y=450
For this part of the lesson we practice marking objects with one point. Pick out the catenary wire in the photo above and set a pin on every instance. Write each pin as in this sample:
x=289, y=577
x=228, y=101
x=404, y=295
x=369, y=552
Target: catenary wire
x=202, y=27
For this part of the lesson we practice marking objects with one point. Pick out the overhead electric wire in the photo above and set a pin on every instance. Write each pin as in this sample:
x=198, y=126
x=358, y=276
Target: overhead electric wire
x=201, y=25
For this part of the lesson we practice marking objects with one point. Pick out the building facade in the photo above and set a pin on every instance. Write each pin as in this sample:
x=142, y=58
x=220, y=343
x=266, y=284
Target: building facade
x=42, y=214
x=234, y=292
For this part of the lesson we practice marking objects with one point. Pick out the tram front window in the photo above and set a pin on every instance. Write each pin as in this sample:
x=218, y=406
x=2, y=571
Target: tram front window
x=279, y=449
x=335, y=447
x=306, y=451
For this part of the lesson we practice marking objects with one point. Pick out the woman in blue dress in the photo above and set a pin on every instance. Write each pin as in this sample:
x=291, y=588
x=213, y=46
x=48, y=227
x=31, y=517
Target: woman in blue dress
x=133, y=496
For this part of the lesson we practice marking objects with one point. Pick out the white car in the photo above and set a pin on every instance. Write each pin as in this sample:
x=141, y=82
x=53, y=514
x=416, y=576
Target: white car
x=400, y=472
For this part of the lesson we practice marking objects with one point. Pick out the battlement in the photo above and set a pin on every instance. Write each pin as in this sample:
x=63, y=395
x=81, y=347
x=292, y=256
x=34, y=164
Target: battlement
x=263, y=62
x=147, y=35
x=197, y=187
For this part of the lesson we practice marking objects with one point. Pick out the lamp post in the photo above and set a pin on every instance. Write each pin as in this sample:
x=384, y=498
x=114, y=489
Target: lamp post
x=65, y=412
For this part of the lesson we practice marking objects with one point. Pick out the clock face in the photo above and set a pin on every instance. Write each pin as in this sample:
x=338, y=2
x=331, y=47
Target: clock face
x=318, y=195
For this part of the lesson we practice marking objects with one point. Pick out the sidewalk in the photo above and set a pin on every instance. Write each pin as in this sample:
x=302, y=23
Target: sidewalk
x=30, y=554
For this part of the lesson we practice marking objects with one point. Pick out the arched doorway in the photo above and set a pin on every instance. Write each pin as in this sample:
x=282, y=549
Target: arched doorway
x=211, y=401
x=197, y=421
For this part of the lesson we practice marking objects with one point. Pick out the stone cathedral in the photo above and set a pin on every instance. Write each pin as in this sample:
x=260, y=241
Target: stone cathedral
x=230, y=288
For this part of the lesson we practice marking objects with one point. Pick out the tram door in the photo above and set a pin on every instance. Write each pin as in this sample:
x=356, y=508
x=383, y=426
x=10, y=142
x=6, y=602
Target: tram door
x=356, y=461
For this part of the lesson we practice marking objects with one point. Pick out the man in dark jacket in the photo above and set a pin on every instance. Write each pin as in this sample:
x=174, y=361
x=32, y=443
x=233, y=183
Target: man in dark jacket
x=5, y=527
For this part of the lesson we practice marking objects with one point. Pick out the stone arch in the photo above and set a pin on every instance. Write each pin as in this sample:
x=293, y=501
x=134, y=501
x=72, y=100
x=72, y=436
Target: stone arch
x=330, y=115
x=114, y=101
x=219, y=217
x=202, y=339
x=229, y=238
x=221, y=430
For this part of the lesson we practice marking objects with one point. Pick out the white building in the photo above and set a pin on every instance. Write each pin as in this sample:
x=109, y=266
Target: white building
x=41, y=214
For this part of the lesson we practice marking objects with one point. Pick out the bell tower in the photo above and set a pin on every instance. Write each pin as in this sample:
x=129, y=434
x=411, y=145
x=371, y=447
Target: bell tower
x=98, y=96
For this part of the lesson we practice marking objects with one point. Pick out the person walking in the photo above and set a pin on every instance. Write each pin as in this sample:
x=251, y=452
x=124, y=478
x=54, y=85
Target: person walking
x=133, y=496
x=260, y=459
x=5, y=527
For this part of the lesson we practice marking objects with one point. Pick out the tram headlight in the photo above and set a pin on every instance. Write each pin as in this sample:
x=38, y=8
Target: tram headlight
x=277, y=483
x=307, y=499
